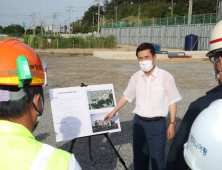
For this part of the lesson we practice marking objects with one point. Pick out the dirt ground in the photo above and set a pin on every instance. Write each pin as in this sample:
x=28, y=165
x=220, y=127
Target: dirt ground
x=77, y=50
x=85, y=63
x=193, y=78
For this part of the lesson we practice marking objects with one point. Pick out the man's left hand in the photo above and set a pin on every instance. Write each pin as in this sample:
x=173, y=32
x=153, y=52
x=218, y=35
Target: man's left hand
x=170, y=132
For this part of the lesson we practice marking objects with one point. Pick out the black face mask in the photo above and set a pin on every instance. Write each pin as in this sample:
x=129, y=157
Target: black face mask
x=37, y=111
x=39, y=114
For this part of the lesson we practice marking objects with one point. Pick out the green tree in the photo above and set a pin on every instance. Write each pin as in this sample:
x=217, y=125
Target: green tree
x=14, y=28
x=203, y=7
x=1, y=29
x=88, y=15
x=38, y=30
x=180, y=10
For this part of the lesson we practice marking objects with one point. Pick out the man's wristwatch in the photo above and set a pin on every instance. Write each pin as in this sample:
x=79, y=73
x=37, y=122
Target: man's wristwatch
x=174, y=123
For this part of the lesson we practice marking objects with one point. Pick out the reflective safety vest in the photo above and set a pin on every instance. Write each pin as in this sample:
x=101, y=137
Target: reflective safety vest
x=19, y=150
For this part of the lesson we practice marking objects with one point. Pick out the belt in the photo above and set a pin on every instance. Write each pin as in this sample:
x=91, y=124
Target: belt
x=146, y=119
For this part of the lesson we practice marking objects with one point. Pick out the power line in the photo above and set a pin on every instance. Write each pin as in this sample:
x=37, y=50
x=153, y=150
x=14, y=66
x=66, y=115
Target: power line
x=84, y=6
x=13, y=14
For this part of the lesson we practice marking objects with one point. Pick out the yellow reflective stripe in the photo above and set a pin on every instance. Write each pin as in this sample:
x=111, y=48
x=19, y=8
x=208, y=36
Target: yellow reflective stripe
x=15, y=80
x=9, y=80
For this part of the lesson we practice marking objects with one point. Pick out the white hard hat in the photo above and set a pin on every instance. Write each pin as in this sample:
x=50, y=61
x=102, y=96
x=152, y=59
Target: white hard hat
x=203, y=150
x=215, y=40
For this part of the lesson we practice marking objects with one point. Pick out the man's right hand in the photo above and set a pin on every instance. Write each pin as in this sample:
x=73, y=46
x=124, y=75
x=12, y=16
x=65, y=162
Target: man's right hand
x=120, y=104
x=109, y=116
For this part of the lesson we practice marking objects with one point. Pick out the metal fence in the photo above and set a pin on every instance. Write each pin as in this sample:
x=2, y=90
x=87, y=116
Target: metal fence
x=167, y=36
x=182, y=20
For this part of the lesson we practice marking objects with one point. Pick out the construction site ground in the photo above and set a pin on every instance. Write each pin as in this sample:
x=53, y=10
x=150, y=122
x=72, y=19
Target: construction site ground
x=193, y=78
x=90, y=50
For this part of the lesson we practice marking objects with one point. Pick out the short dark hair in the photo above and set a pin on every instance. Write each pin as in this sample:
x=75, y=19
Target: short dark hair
x=16, y=108
x=145, y=46
x=219, y=53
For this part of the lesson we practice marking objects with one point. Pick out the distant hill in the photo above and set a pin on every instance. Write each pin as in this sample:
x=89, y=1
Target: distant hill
x=130, y=10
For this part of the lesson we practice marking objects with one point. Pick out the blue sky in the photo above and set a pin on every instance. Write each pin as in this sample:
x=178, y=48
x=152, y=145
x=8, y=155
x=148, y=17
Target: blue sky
x=19, y=11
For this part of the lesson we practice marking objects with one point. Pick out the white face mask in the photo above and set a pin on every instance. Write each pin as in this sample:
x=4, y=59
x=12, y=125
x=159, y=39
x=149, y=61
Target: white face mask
x=146, y=65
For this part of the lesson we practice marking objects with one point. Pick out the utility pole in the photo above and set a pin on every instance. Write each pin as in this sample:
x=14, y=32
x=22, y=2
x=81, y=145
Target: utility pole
x=116, y=14
x=69, y=16
x=103, y=17
x=28, y=26
x=190, y=11
x=80, y=21
x=219, y=10
x=98, y=15
x=45, y=24
x=57, y=21
x=40, y=22
x=172, y=9
x=154, y=9
x=33, y=20
x=54, y=23
x=53, y=26
x=93, y=19
x=138, y=15
x=103, y=20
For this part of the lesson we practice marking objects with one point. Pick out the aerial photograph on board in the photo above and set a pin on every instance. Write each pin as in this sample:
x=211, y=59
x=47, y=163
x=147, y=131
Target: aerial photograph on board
x=100, y=99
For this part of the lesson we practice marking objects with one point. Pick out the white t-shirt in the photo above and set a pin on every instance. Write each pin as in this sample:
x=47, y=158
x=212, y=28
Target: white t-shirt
x=153, y=94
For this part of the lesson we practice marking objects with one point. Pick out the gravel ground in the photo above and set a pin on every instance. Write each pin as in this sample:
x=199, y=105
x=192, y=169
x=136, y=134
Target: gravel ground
x=193, y=79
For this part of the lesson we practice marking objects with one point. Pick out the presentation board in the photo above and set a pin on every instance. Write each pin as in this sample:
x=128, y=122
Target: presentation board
x=80, y=111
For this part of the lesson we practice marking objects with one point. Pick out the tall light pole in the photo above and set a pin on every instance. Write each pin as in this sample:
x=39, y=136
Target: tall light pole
x=190, y=11
x=172, y=9
x=98, y=14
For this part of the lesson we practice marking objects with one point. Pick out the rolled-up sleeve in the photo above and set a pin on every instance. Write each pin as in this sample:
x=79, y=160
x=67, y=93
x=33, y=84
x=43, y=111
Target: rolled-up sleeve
x=173, y=94
x=130, y=92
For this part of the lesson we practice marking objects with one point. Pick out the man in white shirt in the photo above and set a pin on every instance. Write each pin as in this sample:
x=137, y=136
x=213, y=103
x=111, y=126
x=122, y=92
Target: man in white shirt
x=156, y=94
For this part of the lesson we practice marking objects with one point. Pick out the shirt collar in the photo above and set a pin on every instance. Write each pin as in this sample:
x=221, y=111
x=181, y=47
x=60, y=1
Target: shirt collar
x=155, y=72
x=215, y=89
x=11, y=127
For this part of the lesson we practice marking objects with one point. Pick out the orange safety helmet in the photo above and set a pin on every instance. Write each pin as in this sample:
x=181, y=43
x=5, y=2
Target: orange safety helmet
x=10, y=50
